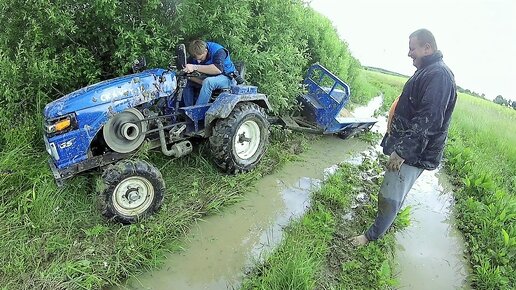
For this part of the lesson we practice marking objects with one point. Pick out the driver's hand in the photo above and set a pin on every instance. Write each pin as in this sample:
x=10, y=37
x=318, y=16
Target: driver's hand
x=189, y=68
x=395, y=161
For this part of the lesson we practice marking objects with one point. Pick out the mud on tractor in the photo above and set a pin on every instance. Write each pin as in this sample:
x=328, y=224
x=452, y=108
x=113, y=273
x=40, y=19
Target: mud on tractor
x=104, y=124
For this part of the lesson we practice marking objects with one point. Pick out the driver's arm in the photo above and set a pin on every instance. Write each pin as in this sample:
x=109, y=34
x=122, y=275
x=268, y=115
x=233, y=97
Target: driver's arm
x=218, y=64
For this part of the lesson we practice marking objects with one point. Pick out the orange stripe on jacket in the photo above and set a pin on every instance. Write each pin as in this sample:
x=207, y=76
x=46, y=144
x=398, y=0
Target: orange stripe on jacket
x=391, y=114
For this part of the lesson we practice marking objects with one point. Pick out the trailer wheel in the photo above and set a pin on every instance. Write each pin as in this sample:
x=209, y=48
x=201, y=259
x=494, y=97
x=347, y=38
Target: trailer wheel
x=346, y=133
x=239, y=141
x=132, y=190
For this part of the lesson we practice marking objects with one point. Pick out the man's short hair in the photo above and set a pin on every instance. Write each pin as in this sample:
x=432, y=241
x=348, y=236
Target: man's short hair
x=197, y=47
x=424, y=36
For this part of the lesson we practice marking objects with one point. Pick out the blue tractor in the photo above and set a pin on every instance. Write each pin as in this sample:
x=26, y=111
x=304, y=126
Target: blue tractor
x=103, y=125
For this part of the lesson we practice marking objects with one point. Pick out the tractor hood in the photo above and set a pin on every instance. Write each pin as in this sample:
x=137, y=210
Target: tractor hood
x=142, y=87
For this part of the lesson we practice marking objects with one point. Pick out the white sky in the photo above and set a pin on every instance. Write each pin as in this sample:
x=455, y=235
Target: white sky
x=477, y=37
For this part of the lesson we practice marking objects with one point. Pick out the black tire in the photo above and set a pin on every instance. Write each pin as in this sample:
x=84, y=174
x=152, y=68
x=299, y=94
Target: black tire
x=346, y=133
x=234, y=155
x=131, y=177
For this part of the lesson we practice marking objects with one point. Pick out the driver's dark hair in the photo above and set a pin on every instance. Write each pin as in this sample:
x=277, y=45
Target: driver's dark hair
x=197, y=47
x=424, y=36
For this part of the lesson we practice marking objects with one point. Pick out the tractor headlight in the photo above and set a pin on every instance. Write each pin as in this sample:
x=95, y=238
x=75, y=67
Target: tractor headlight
x=61, y=124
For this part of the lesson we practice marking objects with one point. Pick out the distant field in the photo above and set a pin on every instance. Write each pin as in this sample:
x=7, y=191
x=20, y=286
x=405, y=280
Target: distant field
x=389, y=85
x=490, y=131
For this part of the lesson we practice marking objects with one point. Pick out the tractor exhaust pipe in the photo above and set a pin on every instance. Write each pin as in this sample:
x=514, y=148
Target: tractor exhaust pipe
x=178, y=149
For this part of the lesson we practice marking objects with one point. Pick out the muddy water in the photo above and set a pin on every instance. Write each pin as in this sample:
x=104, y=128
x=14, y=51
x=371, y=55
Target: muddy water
x=220, y=248
x=430, y=252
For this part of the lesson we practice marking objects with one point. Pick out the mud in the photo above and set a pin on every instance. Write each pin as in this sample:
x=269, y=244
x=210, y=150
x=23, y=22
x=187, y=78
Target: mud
x=220, y=249
x=430, y=252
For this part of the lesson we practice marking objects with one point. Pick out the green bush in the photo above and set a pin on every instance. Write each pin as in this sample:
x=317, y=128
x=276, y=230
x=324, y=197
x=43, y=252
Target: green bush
x=54, y=238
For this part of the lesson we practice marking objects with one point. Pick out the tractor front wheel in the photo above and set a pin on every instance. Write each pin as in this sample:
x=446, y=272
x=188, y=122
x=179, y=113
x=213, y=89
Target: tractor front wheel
x=132, y=190
x=239, y=141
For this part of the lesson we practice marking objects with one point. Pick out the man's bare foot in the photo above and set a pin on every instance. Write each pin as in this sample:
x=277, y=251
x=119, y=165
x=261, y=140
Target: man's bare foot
x=359, y=240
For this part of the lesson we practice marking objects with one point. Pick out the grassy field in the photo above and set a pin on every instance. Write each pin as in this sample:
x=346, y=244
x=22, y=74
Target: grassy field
x=55, y=238
x=481, y=155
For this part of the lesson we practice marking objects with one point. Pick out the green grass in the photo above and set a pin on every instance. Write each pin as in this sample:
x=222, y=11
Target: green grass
x=389, y=85
x=316, y=253
x=481, y=154
x=55, y=238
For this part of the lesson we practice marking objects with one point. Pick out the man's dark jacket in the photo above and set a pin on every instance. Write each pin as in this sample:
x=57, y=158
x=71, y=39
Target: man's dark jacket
x=421, y=118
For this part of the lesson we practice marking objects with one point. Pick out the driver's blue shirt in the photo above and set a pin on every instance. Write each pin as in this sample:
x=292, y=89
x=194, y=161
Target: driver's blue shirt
x=218, y=59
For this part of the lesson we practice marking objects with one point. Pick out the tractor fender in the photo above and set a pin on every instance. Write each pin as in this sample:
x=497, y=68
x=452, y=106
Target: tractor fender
x=224, y=104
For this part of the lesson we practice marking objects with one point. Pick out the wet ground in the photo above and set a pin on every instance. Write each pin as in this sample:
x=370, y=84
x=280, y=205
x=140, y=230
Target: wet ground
x=430, y=252
x=219, y=249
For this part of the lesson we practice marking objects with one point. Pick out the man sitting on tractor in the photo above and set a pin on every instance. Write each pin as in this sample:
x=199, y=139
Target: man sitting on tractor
x=213, y=62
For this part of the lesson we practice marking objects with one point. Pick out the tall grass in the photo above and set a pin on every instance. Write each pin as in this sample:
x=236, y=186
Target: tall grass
x=481, y=155
x=489, y=130
x=55, y=238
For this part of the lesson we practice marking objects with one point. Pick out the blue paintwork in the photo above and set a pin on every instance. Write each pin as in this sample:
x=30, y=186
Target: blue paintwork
x=95, y=104
x=326, y=97
x=138, y=88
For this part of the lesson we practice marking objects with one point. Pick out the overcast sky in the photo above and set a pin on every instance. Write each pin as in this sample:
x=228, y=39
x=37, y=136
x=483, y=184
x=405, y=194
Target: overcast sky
x=477, y=37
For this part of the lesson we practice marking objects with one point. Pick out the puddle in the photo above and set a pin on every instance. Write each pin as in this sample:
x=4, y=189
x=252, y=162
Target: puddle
x=430, y=252
x=368, y=111
x=220, y=248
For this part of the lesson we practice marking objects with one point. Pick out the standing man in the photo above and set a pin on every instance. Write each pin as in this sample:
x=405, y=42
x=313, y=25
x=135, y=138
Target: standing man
x=416, y=137
x=213, y=62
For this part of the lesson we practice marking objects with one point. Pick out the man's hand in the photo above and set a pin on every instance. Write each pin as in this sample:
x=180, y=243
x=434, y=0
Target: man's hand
x=395, y=162
x=189, y=68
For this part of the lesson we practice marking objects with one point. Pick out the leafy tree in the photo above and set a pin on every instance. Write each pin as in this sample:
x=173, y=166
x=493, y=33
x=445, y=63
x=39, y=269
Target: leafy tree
x=50, y=48
x=501, y=101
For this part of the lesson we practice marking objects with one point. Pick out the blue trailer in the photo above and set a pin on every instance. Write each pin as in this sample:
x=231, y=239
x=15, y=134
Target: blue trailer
x=322, y=106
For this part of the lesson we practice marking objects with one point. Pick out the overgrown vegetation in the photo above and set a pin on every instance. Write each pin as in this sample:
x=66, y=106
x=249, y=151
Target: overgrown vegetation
x=55, y=238
x=316, y=253
x=48, y=49
x=482, y=156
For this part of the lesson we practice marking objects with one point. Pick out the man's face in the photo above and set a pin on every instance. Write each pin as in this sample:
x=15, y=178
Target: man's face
x=417, y=51
x=201, y=57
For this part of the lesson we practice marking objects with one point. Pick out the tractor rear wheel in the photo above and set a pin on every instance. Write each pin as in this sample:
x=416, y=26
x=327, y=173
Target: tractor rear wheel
x=132, y=190
x=239, y=141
